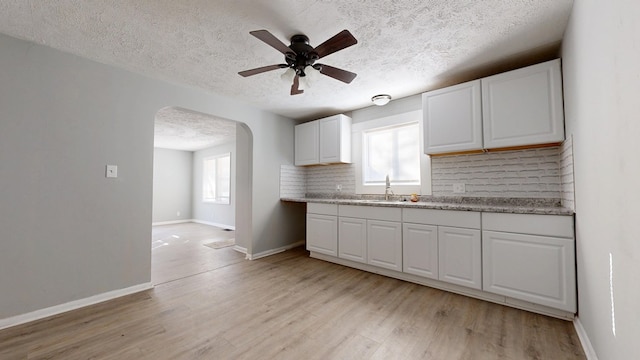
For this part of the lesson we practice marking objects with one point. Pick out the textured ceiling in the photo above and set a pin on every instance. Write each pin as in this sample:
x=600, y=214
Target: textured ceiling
x=182, y=129
x=404, y=46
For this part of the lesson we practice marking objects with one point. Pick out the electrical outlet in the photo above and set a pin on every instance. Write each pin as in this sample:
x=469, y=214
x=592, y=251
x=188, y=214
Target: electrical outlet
x=338, y=187
x=458, y=188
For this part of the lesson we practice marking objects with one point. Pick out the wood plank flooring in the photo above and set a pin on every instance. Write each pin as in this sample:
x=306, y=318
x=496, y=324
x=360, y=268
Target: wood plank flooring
x=178, y=251
x=289, y=306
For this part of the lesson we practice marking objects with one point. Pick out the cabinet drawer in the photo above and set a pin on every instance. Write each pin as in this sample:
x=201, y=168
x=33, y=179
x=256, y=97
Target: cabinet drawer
x=546, y=225
x=463, y=219
x=371, y=212
x=324, y=209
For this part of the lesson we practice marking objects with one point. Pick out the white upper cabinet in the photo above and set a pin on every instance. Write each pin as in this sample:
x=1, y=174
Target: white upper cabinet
x=453, y=119
x=324, y=141
x=335, y=139
x=307, y=149
x=523, y=107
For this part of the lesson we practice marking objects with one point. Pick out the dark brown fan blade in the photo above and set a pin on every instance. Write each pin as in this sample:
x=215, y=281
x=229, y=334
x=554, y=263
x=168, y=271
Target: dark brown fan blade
x=338, y=74
x=295, y=85
x=342, y=40
x=261, y=70
x=271, y=40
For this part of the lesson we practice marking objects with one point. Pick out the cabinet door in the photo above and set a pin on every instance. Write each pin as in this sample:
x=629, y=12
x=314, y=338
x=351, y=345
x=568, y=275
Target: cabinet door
x=538, y=269
x=335, y=139
x=306, y=144
x=460, y=256
x=420, y=250
x=352, y=233
x=523, y=107
x=322, y=234
x=384, y=244
x=453, y=119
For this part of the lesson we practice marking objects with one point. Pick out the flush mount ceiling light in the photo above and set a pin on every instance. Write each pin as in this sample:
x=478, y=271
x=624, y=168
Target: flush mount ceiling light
x=381, y=100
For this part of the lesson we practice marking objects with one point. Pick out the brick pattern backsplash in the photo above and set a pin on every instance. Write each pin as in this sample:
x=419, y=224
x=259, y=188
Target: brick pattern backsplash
x=532, y=173
x=293, y=181
x=323, y=179
x=566, y=174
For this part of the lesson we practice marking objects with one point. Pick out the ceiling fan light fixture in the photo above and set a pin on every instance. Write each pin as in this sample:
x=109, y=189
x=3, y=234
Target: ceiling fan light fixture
x=381, y=100
x=304, y=83
x=288, y=75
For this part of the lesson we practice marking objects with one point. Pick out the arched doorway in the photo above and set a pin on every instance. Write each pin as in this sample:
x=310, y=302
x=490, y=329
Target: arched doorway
x=185, y=142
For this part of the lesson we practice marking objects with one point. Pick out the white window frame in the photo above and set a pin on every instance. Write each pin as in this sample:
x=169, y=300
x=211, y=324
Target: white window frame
x=218, y=199
x=357, y=134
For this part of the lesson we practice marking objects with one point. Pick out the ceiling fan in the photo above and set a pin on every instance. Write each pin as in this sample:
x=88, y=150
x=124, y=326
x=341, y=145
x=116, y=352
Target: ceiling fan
x=300, y=54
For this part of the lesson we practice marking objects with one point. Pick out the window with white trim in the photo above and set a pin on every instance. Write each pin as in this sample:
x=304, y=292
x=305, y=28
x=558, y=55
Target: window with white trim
x=216, y=179
x=394, y=152
x=391, y=146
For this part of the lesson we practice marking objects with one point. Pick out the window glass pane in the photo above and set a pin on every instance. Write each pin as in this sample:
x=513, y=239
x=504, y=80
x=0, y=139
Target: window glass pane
x=392, y=151
x=216, y=179
x=209, y=181
x=224, y=176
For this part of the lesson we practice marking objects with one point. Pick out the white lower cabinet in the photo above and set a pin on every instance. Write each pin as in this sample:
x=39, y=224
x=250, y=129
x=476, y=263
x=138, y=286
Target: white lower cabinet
x=384, y=244
x=322, y=228
x=371, y=235
x=537, y=268
x=460, y=256
x=443, y=244
x=352, y=233
x=528, y=259
x=420, y=250
x=322, y=234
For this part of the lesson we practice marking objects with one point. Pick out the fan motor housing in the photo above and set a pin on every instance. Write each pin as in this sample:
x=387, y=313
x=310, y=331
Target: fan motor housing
x=302, y=54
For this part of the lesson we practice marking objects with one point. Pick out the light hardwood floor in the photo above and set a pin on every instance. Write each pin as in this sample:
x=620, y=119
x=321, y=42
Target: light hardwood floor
x=289, y=306
x=178, y=251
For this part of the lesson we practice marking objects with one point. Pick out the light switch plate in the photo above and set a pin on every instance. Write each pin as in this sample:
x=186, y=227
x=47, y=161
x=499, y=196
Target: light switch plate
x=112, y=171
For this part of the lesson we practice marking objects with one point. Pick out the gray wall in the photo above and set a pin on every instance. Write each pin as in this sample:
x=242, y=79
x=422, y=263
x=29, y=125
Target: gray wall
x=223, y=215
x=68, y=232
x=601, y=75
x=172, y=185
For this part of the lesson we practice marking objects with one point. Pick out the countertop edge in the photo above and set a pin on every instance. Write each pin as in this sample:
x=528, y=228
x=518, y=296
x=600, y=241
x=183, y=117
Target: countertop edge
x=511, y=209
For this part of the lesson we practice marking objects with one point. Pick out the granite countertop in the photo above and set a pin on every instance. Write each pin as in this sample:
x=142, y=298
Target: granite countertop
x=485, y=204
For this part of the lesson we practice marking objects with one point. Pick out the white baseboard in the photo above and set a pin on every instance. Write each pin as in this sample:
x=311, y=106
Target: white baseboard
x=171, y=222
x=584, y=340
x=274, y=251
x=73, y=305
x=224, y=226
x=240, y=249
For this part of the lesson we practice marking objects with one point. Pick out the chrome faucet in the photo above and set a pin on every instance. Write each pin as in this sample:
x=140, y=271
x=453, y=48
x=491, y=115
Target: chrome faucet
x=387, y=189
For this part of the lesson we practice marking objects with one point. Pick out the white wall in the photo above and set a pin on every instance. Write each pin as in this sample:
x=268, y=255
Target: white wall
x=223, y=215
x=601, y=71
x=68, y=232
x=172, y=185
